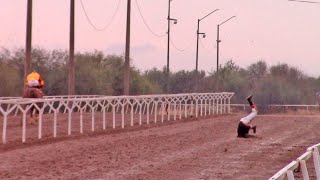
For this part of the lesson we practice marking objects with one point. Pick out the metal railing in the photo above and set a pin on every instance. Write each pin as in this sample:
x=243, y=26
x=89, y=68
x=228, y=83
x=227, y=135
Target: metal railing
x=171, y=106
x=306, y=107
x=55, y=97
x=299, y=165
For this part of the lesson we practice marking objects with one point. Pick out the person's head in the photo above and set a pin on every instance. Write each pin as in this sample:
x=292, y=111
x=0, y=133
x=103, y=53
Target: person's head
x=34, y=80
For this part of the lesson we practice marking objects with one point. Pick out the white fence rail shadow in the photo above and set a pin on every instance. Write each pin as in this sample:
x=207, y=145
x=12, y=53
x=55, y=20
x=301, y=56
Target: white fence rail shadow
x=123, y=111
x=298, y=167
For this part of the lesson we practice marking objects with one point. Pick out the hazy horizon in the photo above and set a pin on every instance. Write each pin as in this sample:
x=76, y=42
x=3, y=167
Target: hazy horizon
x=276, y=31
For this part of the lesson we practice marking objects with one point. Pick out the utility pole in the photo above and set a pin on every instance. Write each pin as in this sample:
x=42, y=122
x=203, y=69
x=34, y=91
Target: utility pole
x=71, y=72
x=27, y=63
x=218, y=42
x=168, y=50
x=126, y=73
x=168, y=47
x=197, y=54
x=198, y=45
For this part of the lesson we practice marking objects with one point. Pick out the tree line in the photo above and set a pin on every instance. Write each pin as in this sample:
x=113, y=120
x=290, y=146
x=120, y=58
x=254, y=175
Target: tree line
x=101, y=74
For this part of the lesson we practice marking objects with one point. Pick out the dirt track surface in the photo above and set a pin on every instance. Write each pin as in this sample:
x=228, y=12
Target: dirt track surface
x=203, y=148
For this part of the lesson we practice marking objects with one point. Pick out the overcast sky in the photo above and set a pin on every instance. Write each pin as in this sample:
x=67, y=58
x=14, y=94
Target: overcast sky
x=277, y=31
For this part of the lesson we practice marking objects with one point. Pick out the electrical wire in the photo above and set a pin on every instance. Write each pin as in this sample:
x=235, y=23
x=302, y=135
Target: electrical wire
x=179, y=49
x=107, y=25
x=145, y=23
x=202, y=44
x=206, y=47
x=314, y=2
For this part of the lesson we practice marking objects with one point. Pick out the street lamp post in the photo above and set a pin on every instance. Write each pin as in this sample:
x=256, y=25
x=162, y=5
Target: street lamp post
x=218, y=40
x=175, y=21
x=197, y=52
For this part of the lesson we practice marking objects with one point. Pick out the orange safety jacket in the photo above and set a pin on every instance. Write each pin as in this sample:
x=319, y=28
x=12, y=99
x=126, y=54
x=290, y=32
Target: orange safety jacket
x=35, y=76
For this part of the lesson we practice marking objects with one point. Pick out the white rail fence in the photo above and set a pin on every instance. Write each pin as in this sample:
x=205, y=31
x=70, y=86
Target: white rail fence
x=305, y=107
x=299, y=166
x=56, y=97
x=120, y=108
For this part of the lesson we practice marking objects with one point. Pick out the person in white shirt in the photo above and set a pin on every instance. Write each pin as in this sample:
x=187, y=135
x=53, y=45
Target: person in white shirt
x=245, y=122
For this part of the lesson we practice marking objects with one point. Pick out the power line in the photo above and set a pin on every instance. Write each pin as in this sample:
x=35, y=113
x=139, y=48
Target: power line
x=207, y=49
x=144, y=21
x=314, y=2
x=107, y=25
x=179, y=49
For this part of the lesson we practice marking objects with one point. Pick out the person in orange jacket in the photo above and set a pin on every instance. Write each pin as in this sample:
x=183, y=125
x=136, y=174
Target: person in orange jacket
x=34, y=83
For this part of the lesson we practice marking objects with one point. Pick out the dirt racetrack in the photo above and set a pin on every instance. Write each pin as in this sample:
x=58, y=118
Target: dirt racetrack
x=203, y=148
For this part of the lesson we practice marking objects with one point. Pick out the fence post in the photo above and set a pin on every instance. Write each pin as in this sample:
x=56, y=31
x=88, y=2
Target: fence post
x=131, y=113
x=148, y=106
x=113, y=116
x=175, y=111
x=69, y=122
x=304, y=169
x=197, y=108
x=104, y=118
x=122, y=115
x=55, y=114
x=162, y=112
x=155, y=111
x=290, y=175
x=316, y=161
x=92, y=119
x=4, y=130
x=140, y=114
x=180, y=109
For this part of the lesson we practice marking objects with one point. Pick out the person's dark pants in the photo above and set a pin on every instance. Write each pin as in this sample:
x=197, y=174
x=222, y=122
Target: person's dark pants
x=243, y=129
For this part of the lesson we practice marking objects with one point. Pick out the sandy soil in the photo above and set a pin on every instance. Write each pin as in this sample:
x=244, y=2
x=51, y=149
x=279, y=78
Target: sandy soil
x=203, y=148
